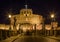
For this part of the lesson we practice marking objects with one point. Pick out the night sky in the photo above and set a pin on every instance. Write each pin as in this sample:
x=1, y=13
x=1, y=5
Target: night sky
x=41, y=7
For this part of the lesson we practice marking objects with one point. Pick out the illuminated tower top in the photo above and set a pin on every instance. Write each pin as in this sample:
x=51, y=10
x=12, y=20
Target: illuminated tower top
x=26, y=11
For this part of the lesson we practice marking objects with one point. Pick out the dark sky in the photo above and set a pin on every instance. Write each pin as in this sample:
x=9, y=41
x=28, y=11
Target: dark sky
x=41, y=7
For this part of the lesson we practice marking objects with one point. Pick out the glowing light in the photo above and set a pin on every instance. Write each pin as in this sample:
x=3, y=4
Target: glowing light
x=52, y=15
x=9, y=16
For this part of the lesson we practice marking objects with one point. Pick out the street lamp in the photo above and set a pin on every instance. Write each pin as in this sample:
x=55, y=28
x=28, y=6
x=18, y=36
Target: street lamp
x=52, y=16
x=55, y=27
x=10, y=25
x=9, y=16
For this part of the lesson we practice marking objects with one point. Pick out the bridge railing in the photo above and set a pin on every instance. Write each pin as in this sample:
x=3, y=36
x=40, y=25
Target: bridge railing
x=4, y=34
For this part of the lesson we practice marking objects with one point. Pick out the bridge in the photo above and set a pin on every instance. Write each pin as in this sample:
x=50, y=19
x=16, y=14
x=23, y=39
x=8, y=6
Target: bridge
x=27, y=23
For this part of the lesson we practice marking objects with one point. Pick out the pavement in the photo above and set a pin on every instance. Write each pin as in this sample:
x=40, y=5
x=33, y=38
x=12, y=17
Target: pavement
x=54, y=37
x=10, y=39
x=35, y=39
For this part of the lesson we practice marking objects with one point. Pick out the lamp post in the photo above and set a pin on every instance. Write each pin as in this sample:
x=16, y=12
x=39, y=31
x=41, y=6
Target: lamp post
x=43, y=30
x=10, y=21
x=10, y=25
x=52, y=17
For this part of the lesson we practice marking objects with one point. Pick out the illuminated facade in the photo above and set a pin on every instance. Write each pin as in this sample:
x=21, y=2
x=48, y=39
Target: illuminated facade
x=26, y=16
x=26, y=20
x=5, y=27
